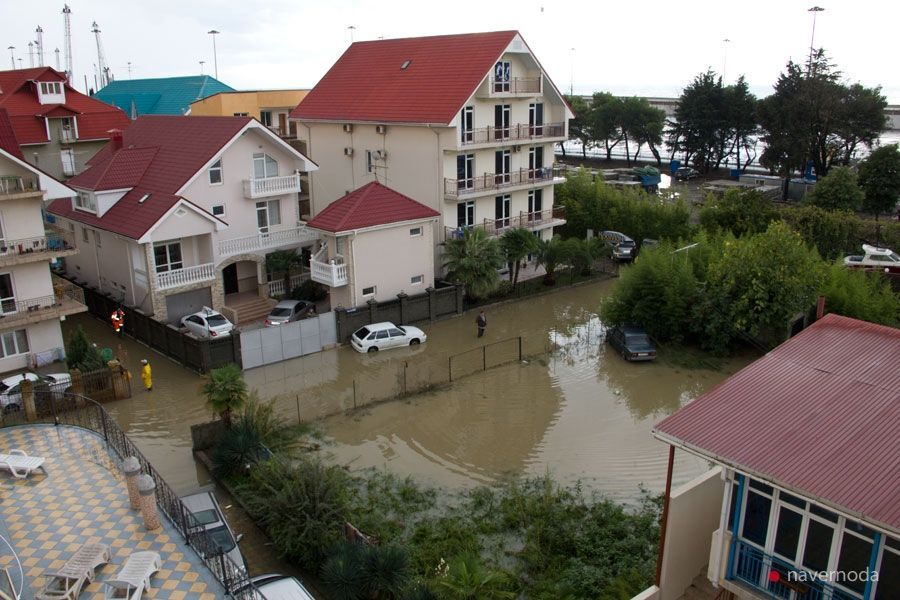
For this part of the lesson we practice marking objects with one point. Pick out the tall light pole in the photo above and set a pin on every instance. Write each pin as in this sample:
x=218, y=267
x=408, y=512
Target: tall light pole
x=814, y=10
x=12, y=56
x=351, y=28
x=202, y=62
x=571, y=72
x=214, y=33
x=725, y=43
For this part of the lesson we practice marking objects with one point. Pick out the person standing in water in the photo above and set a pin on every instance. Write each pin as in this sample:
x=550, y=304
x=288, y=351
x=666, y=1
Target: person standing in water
x=147, y=375
x=481, y=323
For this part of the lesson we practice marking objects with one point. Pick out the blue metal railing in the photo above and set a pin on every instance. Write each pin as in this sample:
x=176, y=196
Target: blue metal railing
x=755, y=568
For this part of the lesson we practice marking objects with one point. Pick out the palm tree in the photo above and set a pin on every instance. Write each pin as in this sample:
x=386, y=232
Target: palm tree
x=469, y=579
x=551, y=254
x=473, y=260
x=225, y=391
x=517, y=244
x=282, y=261
x=580, y=254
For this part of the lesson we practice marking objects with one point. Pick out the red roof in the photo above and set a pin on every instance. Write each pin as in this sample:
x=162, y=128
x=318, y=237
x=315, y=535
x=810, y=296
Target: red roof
x=8, y=139
x=20, y=98
x=367, y=82
x=372, y=204
x=820, y=415
x=159, y=154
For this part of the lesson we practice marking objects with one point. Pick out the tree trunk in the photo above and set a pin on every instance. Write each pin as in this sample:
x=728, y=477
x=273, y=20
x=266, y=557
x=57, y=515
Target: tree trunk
x=562, y=146
x=608, y=150
x=627, y=153
x=516, y=277
x=656, y=155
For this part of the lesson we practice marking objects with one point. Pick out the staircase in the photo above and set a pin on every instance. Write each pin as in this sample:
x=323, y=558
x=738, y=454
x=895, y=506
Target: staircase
x=248, y=307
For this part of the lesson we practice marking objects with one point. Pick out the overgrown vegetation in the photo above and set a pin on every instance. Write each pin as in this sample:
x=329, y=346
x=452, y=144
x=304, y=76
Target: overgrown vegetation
x=81, y=354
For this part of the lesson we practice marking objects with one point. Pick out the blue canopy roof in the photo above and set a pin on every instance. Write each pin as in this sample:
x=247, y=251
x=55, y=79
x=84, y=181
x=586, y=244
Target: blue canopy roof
x=164, y=96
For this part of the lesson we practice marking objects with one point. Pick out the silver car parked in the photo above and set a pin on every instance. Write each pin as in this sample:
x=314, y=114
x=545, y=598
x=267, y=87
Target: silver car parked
x=206, y=516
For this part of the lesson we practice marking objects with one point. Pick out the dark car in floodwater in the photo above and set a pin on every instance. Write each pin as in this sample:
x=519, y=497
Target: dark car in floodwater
x=631, y=342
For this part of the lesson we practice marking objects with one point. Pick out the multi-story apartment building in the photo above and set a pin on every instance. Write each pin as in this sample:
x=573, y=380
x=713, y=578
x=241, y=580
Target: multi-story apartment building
x=271, y=107
x=32, y=302
x=177, y=213
x=57, y=127
x=464, y=124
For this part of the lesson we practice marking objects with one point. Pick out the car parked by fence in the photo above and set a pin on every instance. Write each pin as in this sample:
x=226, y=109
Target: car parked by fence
x=206, y=517
x=11, y=387
x=287, y=311
x=381, y=336
x=280, y=587
x=631, y=342
x=207, y=323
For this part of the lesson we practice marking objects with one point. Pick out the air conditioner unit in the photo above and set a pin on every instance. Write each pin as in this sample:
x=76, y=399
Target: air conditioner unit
x=348, y=151
x=379, y=155
x=348, y=127
x=516, y=148
x=381, y=129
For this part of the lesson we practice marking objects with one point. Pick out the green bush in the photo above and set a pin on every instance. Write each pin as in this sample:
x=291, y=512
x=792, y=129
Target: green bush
x=310, y=290
x=81, y=354
x=739, y=212
x=861, y=295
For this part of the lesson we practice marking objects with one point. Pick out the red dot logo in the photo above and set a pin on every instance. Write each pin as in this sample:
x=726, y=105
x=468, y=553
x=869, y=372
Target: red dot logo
x=774, y=576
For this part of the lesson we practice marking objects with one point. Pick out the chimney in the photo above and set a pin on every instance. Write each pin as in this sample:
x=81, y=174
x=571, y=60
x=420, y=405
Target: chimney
x=115, y=136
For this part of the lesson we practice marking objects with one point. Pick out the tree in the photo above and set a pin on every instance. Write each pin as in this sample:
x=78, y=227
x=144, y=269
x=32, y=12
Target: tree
x=469, y=579
x=282, y=261
x=741, y=123
x=839, y=190
x=739, y=212
x=579, y=125
x=225, y=391
x=605, y=120
x=642, y=124
x=81, y=353
x=879, y=177
x=473, y=260
x=866, y=296
x=517, y=244
x=813, y=117
x=550, y=255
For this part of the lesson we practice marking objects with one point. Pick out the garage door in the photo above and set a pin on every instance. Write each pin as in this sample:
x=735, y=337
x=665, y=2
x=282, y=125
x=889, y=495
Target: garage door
x=185, y=303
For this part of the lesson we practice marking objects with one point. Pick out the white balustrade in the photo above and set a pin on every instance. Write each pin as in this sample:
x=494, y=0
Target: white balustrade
x=276, y=286
x=260, y=241
x=271, y=186
x=186, y=276
x=332, y=273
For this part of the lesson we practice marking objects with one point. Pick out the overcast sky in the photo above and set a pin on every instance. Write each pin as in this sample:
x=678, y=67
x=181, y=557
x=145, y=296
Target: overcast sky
x=645, y=47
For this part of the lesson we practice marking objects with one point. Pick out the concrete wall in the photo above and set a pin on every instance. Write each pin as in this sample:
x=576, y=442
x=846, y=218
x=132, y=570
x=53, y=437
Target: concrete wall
x=30, y=280
x=43, y=337
x=184, y=224
x=227, y=104
x=47, y=156
x=21, y=219
x=694, y=512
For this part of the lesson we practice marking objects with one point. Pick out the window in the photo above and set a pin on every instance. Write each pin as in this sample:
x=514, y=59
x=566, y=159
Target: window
x=7, y=294
x=465, y=214
x=889, y=571
x=215, y=173
x=51, y=87
x=466, y=123
x=264, y=166
x=536, y=119
x=97, y=239
x=856, y=552
x=535, y=204
x=501, y=121
x=382, y=335
x=265, y=117
x=416, y=279
x=415, y=232
x=67, y=156
x=465, y=171
x=13, y=342
x=501, y=167
x=370, y=164
x=501, y=76
x=369, y=291
x=536, y=162
x=501, y=211
x=168, y=257
x=218, y=210
x=241, y=114
x=85, y=201
x=268, y=214
x=756, y=518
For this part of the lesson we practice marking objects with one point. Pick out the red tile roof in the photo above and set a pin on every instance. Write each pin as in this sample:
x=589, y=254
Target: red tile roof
x=819, y=415
x=372, y=204
x=159, y=154
x=20, y=99
x=368, y=84
x=8, y=139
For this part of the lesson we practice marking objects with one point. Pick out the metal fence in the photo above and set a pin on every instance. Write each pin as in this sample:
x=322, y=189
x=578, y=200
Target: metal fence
x=60, y=408
x=274, y=344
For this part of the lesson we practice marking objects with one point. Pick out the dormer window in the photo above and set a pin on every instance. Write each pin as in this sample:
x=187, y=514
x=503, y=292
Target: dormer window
x=264, y=166
x=51, y=92
x=86, y=201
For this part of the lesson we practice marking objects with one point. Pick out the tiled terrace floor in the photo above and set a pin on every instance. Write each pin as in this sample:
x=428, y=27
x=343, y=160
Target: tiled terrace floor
x=83, y=499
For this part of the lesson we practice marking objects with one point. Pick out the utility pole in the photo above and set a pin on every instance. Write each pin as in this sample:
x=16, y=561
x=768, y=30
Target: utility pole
x=67, y=42
x=572, y=72
x=31, y=54
x=812, y=41
x=12, y=56
x=39, y=42
x=202, y=62
x=725, y=43
x=351, y=28
x=214, y=33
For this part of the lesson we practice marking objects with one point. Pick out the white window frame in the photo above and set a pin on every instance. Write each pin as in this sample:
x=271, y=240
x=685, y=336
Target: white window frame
x=67, y=158
x=221, y=213
x=9, y=300
x=85, y=201
x=466, y=124
x=269, y=208
x=216, y=167
x=97, y=240
x=51, y=88
x=374, y=291
x=266, y=160
x=18, y=335
x=262, y=117
x=84, y=235
x=502, y=76
x=417, y=280
x=416, y=231
x=168, y=265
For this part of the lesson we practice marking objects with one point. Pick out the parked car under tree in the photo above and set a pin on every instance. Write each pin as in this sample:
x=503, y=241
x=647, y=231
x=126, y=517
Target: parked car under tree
x=631, y=342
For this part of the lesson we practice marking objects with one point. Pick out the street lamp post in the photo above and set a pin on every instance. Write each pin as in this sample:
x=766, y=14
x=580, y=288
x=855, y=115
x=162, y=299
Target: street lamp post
x=12, y=56
x=202, y=62
x=214, y=33
x=572, y=73
x=351, y=28
x=725, y=43
x=814, y=10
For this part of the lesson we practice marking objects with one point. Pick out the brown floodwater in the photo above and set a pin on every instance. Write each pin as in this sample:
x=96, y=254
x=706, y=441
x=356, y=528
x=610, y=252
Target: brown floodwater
x=579, y=411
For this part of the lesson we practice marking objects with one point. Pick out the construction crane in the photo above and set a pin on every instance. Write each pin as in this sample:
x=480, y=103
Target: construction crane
x=101, y=59
x=67, y=42
x=39, y=44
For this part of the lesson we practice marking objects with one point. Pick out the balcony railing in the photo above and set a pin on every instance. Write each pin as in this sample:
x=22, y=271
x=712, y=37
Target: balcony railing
x=498, y=181
x=261, y=241
x=271, y=186
x=328, y=271
x=13, y=184
x=754, y=567
x=66, y=299
x=516, y=85
x=276, y=286
x=178, y=277
x=66, y=135
x=35, y=248
x=524, y=220
x=520, y=132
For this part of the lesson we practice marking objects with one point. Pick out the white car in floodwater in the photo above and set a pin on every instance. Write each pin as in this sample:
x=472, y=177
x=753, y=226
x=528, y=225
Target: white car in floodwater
x=381, y=336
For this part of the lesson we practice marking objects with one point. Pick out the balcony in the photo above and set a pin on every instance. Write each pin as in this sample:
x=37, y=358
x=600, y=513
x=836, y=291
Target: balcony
x=262, y=241
x=490, y=182
x=36, y=249
x=276, y=286
x=328, y=271
x=271, y=186
x=13, y=187
x=516, y=86
x=187, y=276
x=533, y=221
x=67, y=135
x=495, y=136
x=67, y=299
x=754, y=568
